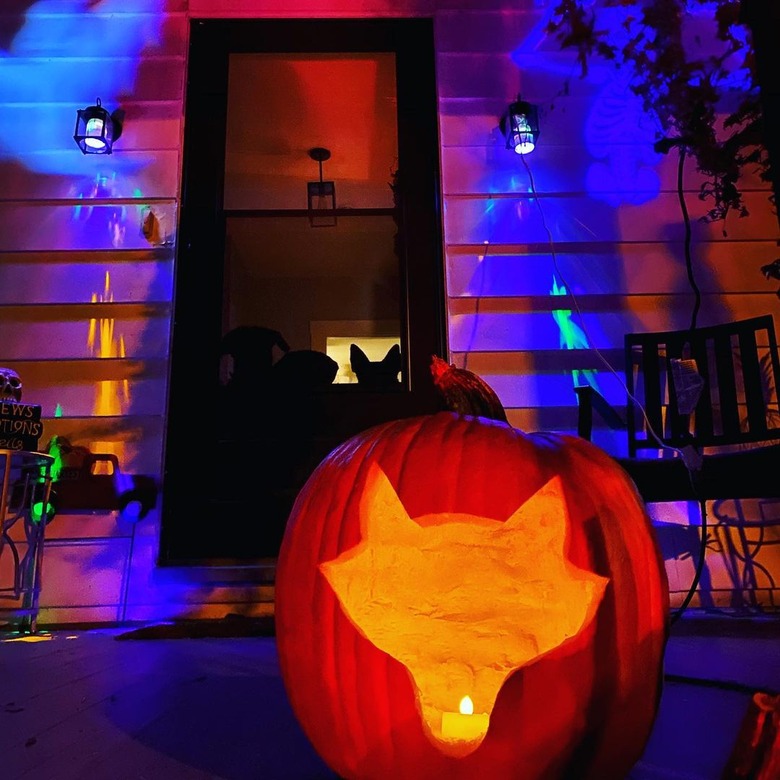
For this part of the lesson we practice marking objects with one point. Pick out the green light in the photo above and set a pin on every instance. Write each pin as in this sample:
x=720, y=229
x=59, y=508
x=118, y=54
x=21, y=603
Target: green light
x=36, y=511
x=571, y=336
x=56, y=452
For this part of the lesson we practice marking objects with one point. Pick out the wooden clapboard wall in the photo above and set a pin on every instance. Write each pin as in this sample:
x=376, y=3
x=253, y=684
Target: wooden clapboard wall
x=594, y=217
x=86, y=297
x=621, y=254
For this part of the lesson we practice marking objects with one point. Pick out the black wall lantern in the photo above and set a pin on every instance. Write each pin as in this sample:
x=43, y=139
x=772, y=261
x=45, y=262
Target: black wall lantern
x=520, y=126
x=321, y=194
x=96, y=130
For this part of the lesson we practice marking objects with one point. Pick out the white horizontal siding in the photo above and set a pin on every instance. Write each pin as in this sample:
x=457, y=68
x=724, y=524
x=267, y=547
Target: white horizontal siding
x=624, y=263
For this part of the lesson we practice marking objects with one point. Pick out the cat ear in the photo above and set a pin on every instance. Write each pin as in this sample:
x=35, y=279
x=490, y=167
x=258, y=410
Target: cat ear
x=393, y=354
x=357, y=357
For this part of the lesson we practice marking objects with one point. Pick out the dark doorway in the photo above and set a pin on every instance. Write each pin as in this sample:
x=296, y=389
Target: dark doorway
x=270, y=296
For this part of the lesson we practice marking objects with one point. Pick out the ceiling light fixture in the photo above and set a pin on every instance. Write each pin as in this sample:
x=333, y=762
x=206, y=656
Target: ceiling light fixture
x=321, y=194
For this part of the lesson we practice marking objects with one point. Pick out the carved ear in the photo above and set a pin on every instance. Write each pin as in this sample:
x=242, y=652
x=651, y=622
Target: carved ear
x=357, y=358
x=382, y=515
x=546, y=512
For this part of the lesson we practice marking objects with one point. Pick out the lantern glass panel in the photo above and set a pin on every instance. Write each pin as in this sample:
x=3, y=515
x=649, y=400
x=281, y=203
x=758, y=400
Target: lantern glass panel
x=522, y=135
x=94, y=133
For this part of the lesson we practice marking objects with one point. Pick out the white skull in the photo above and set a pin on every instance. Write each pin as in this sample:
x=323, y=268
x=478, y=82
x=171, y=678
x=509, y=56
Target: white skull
x=10, y=385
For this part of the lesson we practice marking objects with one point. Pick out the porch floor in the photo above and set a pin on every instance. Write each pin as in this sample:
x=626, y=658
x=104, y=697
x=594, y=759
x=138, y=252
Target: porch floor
x=76, y=704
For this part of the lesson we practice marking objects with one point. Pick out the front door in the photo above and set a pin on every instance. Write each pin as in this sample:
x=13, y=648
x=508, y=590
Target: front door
x=308, y=298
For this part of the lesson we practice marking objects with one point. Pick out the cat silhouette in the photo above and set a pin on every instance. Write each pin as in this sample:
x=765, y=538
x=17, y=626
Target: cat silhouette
x=304, y=369
x=376, y=374
x=247, y=355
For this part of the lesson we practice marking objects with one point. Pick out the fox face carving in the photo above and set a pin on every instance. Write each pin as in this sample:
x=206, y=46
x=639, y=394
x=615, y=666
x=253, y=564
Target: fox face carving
x=462, y=601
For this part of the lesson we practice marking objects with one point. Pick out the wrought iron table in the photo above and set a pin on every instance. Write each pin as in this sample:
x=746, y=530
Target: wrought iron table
x=25, y=510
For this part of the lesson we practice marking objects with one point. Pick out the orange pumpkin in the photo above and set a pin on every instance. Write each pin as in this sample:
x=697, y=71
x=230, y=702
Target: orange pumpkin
x=443, y=562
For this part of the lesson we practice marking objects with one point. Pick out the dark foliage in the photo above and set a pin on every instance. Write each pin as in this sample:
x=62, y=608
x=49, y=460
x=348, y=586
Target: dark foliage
x=700, y=111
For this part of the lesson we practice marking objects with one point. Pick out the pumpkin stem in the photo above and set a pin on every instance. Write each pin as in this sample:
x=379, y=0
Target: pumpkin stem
x=464, y=392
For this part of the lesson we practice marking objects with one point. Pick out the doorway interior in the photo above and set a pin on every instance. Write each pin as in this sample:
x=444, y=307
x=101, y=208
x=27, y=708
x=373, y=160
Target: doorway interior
x=275, y=289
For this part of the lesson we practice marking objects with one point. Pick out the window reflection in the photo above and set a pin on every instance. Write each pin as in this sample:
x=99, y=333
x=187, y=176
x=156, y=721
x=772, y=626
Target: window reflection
x=320, y=290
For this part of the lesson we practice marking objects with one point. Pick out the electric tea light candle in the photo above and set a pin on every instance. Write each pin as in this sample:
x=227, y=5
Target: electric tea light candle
x=464, y=725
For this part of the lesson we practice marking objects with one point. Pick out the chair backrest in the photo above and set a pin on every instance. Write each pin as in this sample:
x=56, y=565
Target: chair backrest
x=714, y=386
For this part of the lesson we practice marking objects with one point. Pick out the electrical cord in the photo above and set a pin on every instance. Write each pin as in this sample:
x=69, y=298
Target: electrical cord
x=687, y=457
x=723, y=685
x=662, y=444
x=687, y=243
x=678, y=613
x=480, y=292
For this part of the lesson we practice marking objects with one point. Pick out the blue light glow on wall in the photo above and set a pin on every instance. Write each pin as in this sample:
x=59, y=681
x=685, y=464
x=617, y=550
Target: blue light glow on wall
x=60, y=56
x=619, y=135
x=56, y=64
x=596, y=158
x=96, y=217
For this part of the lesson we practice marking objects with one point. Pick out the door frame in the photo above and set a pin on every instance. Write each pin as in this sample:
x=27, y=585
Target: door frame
x=188, y=530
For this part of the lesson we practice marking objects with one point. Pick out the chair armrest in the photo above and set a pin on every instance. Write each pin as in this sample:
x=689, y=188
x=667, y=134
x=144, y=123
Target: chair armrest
x=589, y=399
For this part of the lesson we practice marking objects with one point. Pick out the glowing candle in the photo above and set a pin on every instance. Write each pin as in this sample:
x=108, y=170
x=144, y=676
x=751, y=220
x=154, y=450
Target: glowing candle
x=464, y=726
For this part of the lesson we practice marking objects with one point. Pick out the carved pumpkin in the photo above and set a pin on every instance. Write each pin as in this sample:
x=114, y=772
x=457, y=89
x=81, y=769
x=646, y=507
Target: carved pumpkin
x=448, y=558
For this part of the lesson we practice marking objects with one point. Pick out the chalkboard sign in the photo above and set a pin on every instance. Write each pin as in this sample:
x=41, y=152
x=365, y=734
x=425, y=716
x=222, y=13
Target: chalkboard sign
x=20, y=426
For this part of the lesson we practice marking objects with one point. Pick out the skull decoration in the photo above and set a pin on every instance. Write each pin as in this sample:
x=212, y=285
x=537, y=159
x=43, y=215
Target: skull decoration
x=10, y=385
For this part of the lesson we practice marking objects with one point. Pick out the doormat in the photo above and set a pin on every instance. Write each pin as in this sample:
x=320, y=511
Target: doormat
x=228, y=627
